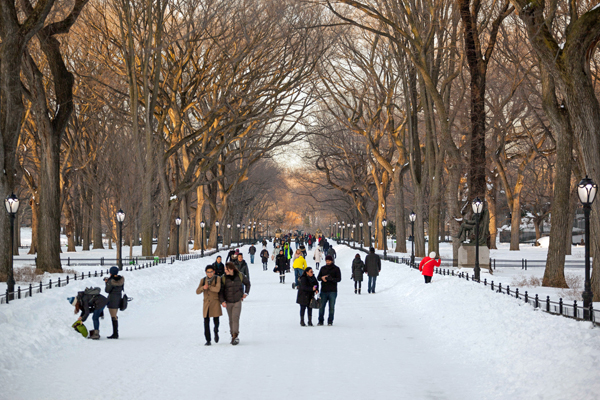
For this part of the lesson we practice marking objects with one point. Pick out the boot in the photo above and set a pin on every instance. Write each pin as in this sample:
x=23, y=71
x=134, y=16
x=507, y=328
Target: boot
x=355, y=291
x=115, y=325
x=216, y=335
x=310, y=320
x=235, y=340
x=358, y=291
x=302, y=321
x=95, y=334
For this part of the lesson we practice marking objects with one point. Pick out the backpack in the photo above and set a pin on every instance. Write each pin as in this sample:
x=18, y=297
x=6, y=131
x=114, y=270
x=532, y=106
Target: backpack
x=93, y=291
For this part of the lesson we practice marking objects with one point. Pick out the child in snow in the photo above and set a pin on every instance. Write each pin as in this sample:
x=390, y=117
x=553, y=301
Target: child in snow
x=427, y=265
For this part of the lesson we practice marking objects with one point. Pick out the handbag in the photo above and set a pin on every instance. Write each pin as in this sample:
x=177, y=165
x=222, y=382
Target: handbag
x=124, y=301
x=315, y=302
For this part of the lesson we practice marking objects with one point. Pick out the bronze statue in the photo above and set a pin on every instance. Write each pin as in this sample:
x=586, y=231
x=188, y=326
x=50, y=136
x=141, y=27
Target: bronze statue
x=467, y=229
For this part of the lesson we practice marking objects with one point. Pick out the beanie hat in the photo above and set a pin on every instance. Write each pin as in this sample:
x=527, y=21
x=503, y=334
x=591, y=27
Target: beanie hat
x=372, y=250
x=329, y=258
x=72, y=300
x=114, y=270
x=432, y=254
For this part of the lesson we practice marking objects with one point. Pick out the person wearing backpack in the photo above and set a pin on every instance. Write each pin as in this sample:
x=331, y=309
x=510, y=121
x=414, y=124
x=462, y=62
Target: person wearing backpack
x=115, y=285
x=358, y=270
x=90, y=301
x=331, y=252
x=210, y=286
x=235, y=287
x=252, y=252
x=264, y=255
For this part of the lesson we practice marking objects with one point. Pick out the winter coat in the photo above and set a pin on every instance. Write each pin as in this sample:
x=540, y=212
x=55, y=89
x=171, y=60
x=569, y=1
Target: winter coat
x=233, y=288
x=219, y=268
x=325, y=245
x=114, y=287
x=334, y=276
x=281, y=263
x=288, y=252
x=252, y=250
x=90, y=303
x=243, y=268
x=306, y=289
x=331, y=252
x=264, y=255
x=303, y=250
x=358, y=269
x=372, y=264
x=212, y=305
x=318, y=254
x=300, y=263
x=230, y=256
x=427, y=265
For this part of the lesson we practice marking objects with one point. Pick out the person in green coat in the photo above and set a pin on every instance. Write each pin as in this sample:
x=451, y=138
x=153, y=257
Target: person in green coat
x=358, y=270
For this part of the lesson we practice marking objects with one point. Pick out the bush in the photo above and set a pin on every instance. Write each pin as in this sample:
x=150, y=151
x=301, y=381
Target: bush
x=531, y=281
x=575, y=283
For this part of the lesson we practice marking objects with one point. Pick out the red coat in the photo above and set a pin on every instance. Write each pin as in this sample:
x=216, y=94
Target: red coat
x=428, y=264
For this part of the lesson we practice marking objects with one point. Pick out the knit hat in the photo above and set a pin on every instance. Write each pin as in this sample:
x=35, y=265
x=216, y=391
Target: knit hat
x=329, y=258
x=114, y=270
x=432, y=254
x=72, y=300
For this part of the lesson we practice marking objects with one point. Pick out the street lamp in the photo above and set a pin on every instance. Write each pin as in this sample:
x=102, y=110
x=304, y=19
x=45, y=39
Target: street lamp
x=587, y=190
x=413, y=218
x=384, y=224
x=477, y=209
x=120, y=219
x=370, y=223
x=353, y=234
x=217, y=225
x=229, y=227
x=343, y=227
x=244, y=230
x=178, y=223
x=254, y=238
x=12, y=206
x=362, y=238
x=239, y=234
x=202, y=225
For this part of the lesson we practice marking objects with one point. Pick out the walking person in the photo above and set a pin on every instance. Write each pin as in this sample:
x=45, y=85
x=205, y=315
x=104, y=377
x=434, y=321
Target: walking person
x=289, y=253
x=232, y=255
x=372, y=268
x=325, y=245
x=329, y=276
x=427, y=265
x=264, y=255
x=317, y=255
x=114, y=286
x=90, y=301
x=297, y=241
x=308, y=288
x=281, y=264
x=219, y=267
x=252, y=252
x=241, y=265
x=299, y=267
x=210, y=286
x=358, y=270
x=235, y=287
x=331, y=252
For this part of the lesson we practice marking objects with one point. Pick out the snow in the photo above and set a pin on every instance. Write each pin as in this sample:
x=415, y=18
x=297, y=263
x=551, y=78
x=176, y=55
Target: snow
x=451, y=339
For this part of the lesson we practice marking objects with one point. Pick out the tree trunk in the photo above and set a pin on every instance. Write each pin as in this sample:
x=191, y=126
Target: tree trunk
x=515, y=222
x=69, y=227
x=420, y=221
x=400, y=214
x=199, y=218
x=491, y=197
x=34, y=223
x=97, y=219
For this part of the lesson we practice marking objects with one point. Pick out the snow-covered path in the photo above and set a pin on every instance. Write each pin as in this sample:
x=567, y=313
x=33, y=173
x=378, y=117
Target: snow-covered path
x=447, y=340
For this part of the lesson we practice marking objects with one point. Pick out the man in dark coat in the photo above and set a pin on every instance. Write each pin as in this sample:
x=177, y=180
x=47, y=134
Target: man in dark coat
x=329, y=276
x=264, y=255
x=242, y=265
x=252, y=252
x=219, y=267
x=372, y=268
x=235, y=287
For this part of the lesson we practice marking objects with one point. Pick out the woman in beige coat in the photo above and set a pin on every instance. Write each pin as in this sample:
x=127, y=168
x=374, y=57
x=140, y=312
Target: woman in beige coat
x=210, y=286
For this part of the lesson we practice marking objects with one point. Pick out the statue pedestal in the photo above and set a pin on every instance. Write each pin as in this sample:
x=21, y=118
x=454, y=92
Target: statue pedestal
x=466, y=257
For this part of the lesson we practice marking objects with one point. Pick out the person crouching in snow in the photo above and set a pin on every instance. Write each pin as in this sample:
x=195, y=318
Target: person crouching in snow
x=210, y=286
x=427, y=265
x=358, y=270
x=308, y=288
x=89, y=302
x=114, y=287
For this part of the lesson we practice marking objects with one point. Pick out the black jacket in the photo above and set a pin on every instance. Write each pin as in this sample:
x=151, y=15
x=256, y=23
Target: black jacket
x=281, y=262
x=243, y=267
x=264, y=255
x=233, y=288
x=230, y=256
x=219, y=268
x=252, y=250
x=90, y=303
x=114, y=287
x=334, y=275
x=372, y=264
x=305, y=289
x=331, y=252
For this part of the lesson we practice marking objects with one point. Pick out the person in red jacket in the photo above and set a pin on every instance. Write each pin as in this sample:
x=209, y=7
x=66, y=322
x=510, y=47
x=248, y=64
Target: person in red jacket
x=428, y=264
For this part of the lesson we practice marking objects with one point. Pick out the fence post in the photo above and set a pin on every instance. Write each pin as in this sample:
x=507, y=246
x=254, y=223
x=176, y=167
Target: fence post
x=69, y=261
x=30, y=290
x=526, y=297
x=508, y=290
x=525, y=264
x=7, y=297
x=50, y=284
x=19, y=292
x=522, y=263
x=560, y=306
x=492, y=284
x=102, y=261
x=59, y=281
x=41, y=287
x=467, y=274
x=500, y=287
x=485, y=282
x=82, y=276
x=537, y=301
x=67, y=279
x=517, y=293
x=547, y=303
x=575, y=308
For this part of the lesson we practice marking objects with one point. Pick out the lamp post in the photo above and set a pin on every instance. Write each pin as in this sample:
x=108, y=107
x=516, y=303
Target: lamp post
x=202, y=225
x=178, y=223
x=217, y=225
x=254, y=227
x=587, y=190
x=477, y=209
x=239, y=235
x=384, y=224
x=244, y=233
x=120, y=219
x=12, y=206
x=329, y=230
x=354, y=234
x=413, y=218
x=370, y=223
x=343, y=227
x=362, y=238
x=229, y=228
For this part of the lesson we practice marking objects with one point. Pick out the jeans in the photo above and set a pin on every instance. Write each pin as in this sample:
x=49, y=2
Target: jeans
x=325, y=298
x=251, y=258
x=297, y=274
x=371, y=285
x=297, y=244
x=318, y=264
x=96, y=318
x=264, y=266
